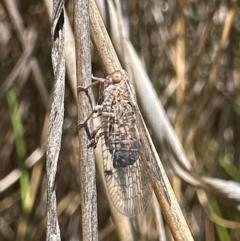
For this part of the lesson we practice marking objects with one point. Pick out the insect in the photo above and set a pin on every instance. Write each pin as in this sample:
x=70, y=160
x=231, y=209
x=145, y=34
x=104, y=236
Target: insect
x=125, y=146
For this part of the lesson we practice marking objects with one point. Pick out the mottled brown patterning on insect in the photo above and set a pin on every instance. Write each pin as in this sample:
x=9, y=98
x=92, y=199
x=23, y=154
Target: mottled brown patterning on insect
x=119, y=125
x=125, y=146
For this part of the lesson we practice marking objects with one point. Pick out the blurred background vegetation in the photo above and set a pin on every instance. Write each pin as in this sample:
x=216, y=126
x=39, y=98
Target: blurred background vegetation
x=191, y=52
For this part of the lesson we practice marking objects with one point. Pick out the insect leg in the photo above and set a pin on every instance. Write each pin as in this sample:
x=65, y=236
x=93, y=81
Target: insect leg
x=91, y=136
x=96, y=82
x=98, y=108
x=80, y=125
x=95, y=137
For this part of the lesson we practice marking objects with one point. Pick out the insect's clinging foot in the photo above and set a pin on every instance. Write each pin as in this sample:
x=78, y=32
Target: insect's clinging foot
x=92, y=143
x=81, y=88
x=81, y=125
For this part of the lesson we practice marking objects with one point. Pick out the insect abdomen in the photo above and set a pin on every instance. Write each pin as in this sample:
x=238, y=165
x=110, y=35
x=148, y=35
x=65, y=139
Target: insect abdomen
x=124, y=153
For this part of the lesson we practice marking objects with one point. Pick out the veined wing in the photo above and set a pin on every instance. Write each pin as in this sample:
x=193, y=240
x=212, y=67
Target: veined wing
x=128, y=187
x=149, y=157
x=125, y=175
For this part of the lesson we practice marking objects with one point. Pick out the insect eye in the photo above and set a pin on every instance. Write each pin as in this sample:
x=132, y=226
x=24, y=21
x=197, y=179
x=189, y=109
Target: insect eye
x=117, y=77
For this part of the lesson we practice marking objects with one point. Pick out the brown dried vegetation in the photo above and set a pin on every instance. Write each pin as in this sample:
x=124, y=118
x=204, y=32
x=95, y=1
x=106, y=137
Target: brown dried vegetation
x=191, y=53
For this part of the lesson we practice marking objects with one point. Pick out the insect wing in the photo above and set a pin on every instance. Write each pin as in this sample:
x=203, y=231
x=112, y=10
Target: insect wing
x=128, y=186
x=149, y=159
